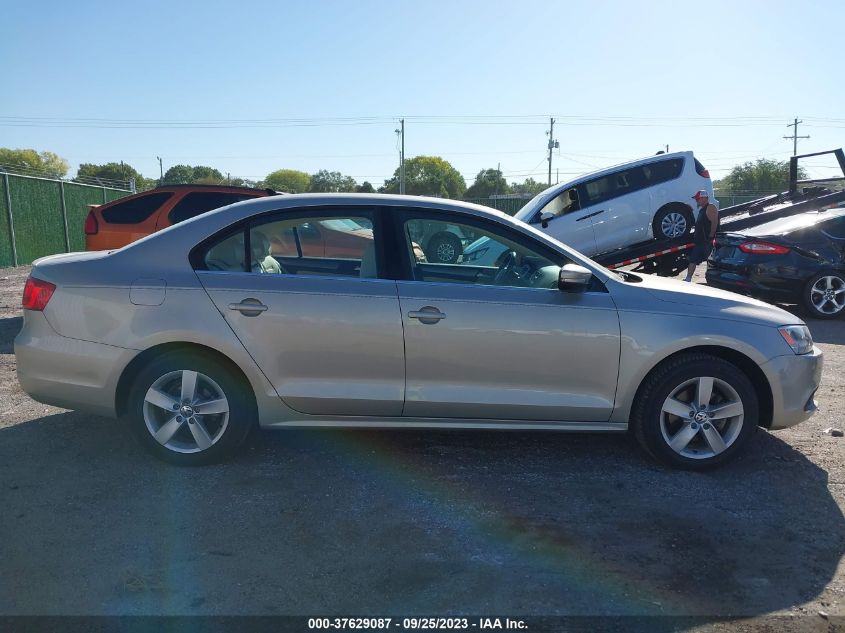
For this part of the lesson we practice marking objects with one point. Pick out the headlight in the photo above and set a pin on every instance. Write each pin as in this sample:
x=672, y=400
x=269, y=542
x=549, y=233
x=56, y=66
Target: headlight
x=798, y=337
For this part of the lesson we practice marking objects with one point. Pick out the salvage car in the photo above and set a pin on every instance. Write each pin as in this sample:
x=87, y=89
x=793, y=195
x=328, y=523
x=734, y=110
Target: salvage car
x=616, y=207
x=194, y=355
x=798, y=259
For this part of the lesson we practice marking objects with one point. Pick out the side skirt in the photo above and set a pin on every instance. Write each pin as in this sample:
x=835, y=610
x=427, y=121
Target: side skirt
x=433, y=423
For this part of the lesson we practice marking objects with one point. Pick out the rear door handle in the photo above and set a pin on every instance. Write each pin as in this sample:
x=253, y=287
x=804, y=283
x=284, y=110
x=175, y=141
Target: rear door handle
x=428, y=314
x=249, y=307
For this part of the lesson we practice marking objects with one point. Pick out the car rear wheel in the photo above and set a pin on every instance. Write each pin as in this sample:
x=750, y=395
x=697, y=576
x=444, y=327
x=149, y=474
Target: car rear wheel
x=695, y=412
x=190, y=409
x=824, y=295
x=444, y=248
x=672, y=221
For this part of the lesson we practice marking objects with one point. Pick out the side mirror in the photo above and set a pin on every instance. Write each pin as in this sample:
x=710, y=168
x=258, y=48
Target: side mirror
x=545, y=218
x=573, y=278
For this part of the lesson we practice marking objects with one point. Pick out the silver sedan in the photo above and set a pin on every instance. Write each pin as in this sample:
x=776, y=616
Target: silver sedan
x=323, y=311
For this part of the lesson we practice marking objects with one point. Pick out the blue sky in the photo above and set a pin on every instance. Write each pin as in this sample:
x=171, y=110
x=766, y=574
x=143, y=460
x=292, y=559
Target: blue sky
x=624, y=79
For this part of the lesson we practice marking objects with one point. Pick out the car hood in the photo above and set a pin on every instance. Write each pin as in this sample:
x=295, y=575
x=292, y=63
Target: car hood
x=680, y=297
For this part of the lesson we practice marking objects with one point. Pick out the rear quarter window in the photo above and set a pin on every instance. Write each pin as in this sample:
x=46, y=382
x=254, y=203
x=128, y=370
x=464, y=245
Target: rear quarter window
x=663, y=170
x=197, y=202
x=835, y=227
x=135, y=210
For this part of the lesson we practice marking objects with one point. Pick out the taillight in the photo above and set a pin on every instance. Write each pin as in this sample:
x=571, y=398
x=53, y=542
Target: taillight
x=36, y=294
x=700, y=170
x=91, y=225
x=763, y=248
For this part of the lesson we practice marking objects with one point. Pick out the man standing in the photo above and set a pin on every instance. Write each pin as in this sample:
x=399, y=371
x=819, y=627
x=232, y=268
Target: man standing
x=705, y=232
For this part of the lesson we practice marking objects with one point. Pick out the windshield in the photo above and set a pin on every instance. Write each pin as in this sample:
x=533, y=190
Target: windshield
x=531, y=206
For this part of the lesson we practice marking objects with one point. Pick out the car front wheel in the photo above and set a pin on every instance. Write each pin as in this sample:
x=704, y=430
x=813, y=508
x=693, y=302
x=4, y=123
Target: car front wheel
x=190, y=409
x=695, y=412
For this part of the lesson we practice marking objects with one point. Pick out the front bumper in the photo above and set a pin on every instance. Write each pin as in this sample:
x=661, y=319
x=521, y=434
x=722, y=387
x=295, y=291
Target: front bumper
x=794, y=380
x=66, y=372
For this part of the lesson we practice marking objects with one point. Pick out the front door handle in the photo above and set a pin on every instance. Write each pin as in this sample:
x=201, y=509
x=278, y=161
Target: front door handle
x=428, y=315
x=249, y=307
x=589, y=215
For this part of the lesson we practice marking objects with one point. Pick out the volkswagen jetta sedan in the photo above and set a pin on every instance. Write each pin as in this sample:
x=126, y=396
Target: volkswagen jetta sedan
x=198, y=333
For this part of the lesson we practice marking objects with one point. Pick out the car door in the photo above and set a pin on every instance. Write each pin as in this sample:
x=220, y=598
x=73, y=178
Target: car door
x=624, y=203
x=326, y=331
x=486, y=342
x=571, y=222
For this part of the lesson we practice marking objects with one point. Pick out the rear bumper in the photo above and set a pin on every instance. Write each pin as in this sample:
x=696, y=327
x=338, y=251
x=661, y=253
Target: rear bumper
x=794, y=380
x=66, y=372
x=773, y=290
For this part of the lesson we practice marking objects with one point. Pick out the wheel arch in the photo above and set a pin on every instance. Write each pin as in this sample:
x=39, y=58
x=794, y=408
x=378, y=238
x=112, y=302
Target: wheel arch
x=124, y=383
x=747, y=365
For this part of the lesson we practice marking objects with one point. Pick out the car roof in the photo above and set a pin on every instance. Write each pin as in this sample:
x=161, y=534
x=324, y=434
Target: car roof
x=792, y=223
x=614, y=168
x=180, y=187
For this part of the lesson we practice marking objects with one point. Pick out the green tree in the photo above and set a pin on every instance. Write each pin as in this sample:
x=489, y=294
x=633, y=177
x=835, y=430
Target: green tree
x=365, y=187
x=288, y=180
x=89, y=172
x=190, y=175
x=488, y=182
x=207, y=175
x=428, y=176
x=529, y=186
x=244, y=182
x=179, y=175
x=25, y=159
x=325, y=181
x=763, y=176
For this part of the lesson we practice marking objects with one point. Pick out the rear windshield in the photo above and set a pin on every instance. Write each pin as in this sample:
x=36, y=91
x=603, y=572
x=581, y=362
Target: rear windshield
x=135, y=209
x=197, y=202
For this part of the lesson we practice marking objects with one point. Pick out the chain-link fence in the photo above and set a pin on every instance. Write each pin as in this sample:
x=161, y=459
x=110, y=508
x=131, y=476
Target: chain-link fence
x=40, y=216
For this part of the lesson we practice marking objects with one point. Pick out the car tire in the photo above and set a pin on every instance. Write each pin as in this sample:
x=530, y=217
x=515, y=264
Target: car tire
x=824, y=295
x=165, y=413
x=444, y=248
x=676, y=430
x=672, y=221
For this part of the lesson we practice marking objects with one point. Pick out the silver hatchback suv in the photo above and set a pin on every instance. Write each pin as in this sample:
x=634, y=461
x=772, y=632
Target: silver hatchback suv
x=199, y=332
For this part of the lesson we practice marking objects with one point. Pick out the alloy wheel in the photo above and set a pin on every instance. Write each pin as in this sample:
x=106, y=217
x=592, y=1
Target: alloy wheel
x=702, y=417
x=186, y=411
x=445, y=252
x=674, y=224
x=828, y=294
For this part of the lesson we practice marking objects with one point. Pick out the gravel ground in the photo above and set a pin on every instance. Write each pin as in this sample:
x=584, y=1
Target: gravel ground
x=408, y=522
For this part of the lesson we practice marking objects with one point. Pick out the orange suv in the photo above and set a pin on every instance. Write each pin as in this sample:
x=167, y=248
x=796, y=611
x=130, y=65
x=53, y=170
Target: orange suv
x=118, y=223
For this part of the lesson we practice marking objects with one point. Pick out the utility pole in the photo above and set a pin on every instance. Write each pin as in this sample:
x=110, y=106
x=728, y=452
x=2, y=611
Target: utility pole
x=795, y=136
x=553, y=144
x=161, y=171
x=402, y=159
x=496, y=183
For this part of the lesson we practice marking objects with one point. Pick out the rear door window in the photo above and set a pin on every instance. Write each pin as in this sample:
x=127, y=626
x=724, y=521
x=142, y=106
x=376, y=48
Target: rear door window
x=135, y=210
x=197, y=202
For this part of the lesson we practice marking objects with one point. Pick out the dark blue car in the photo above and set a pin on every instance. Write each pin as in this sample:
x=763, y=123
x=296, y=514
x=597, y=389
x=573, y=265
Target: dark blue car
x=798, y=259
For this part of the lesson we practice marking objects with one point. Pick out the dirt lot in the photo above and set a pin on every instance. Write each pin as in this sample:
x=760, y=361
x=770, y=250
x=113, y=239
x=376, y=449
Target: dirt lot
x=411, y=522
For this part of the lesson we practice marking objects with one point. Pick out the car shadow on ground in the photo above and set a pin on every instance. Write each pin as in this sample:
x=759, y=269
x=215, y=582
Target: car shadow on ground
x=406, y=522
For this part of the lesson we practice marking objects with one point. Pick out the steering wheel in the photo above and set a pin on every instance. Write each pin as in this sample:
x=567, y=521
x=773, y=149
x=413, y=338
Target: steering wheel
x=508, y=263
